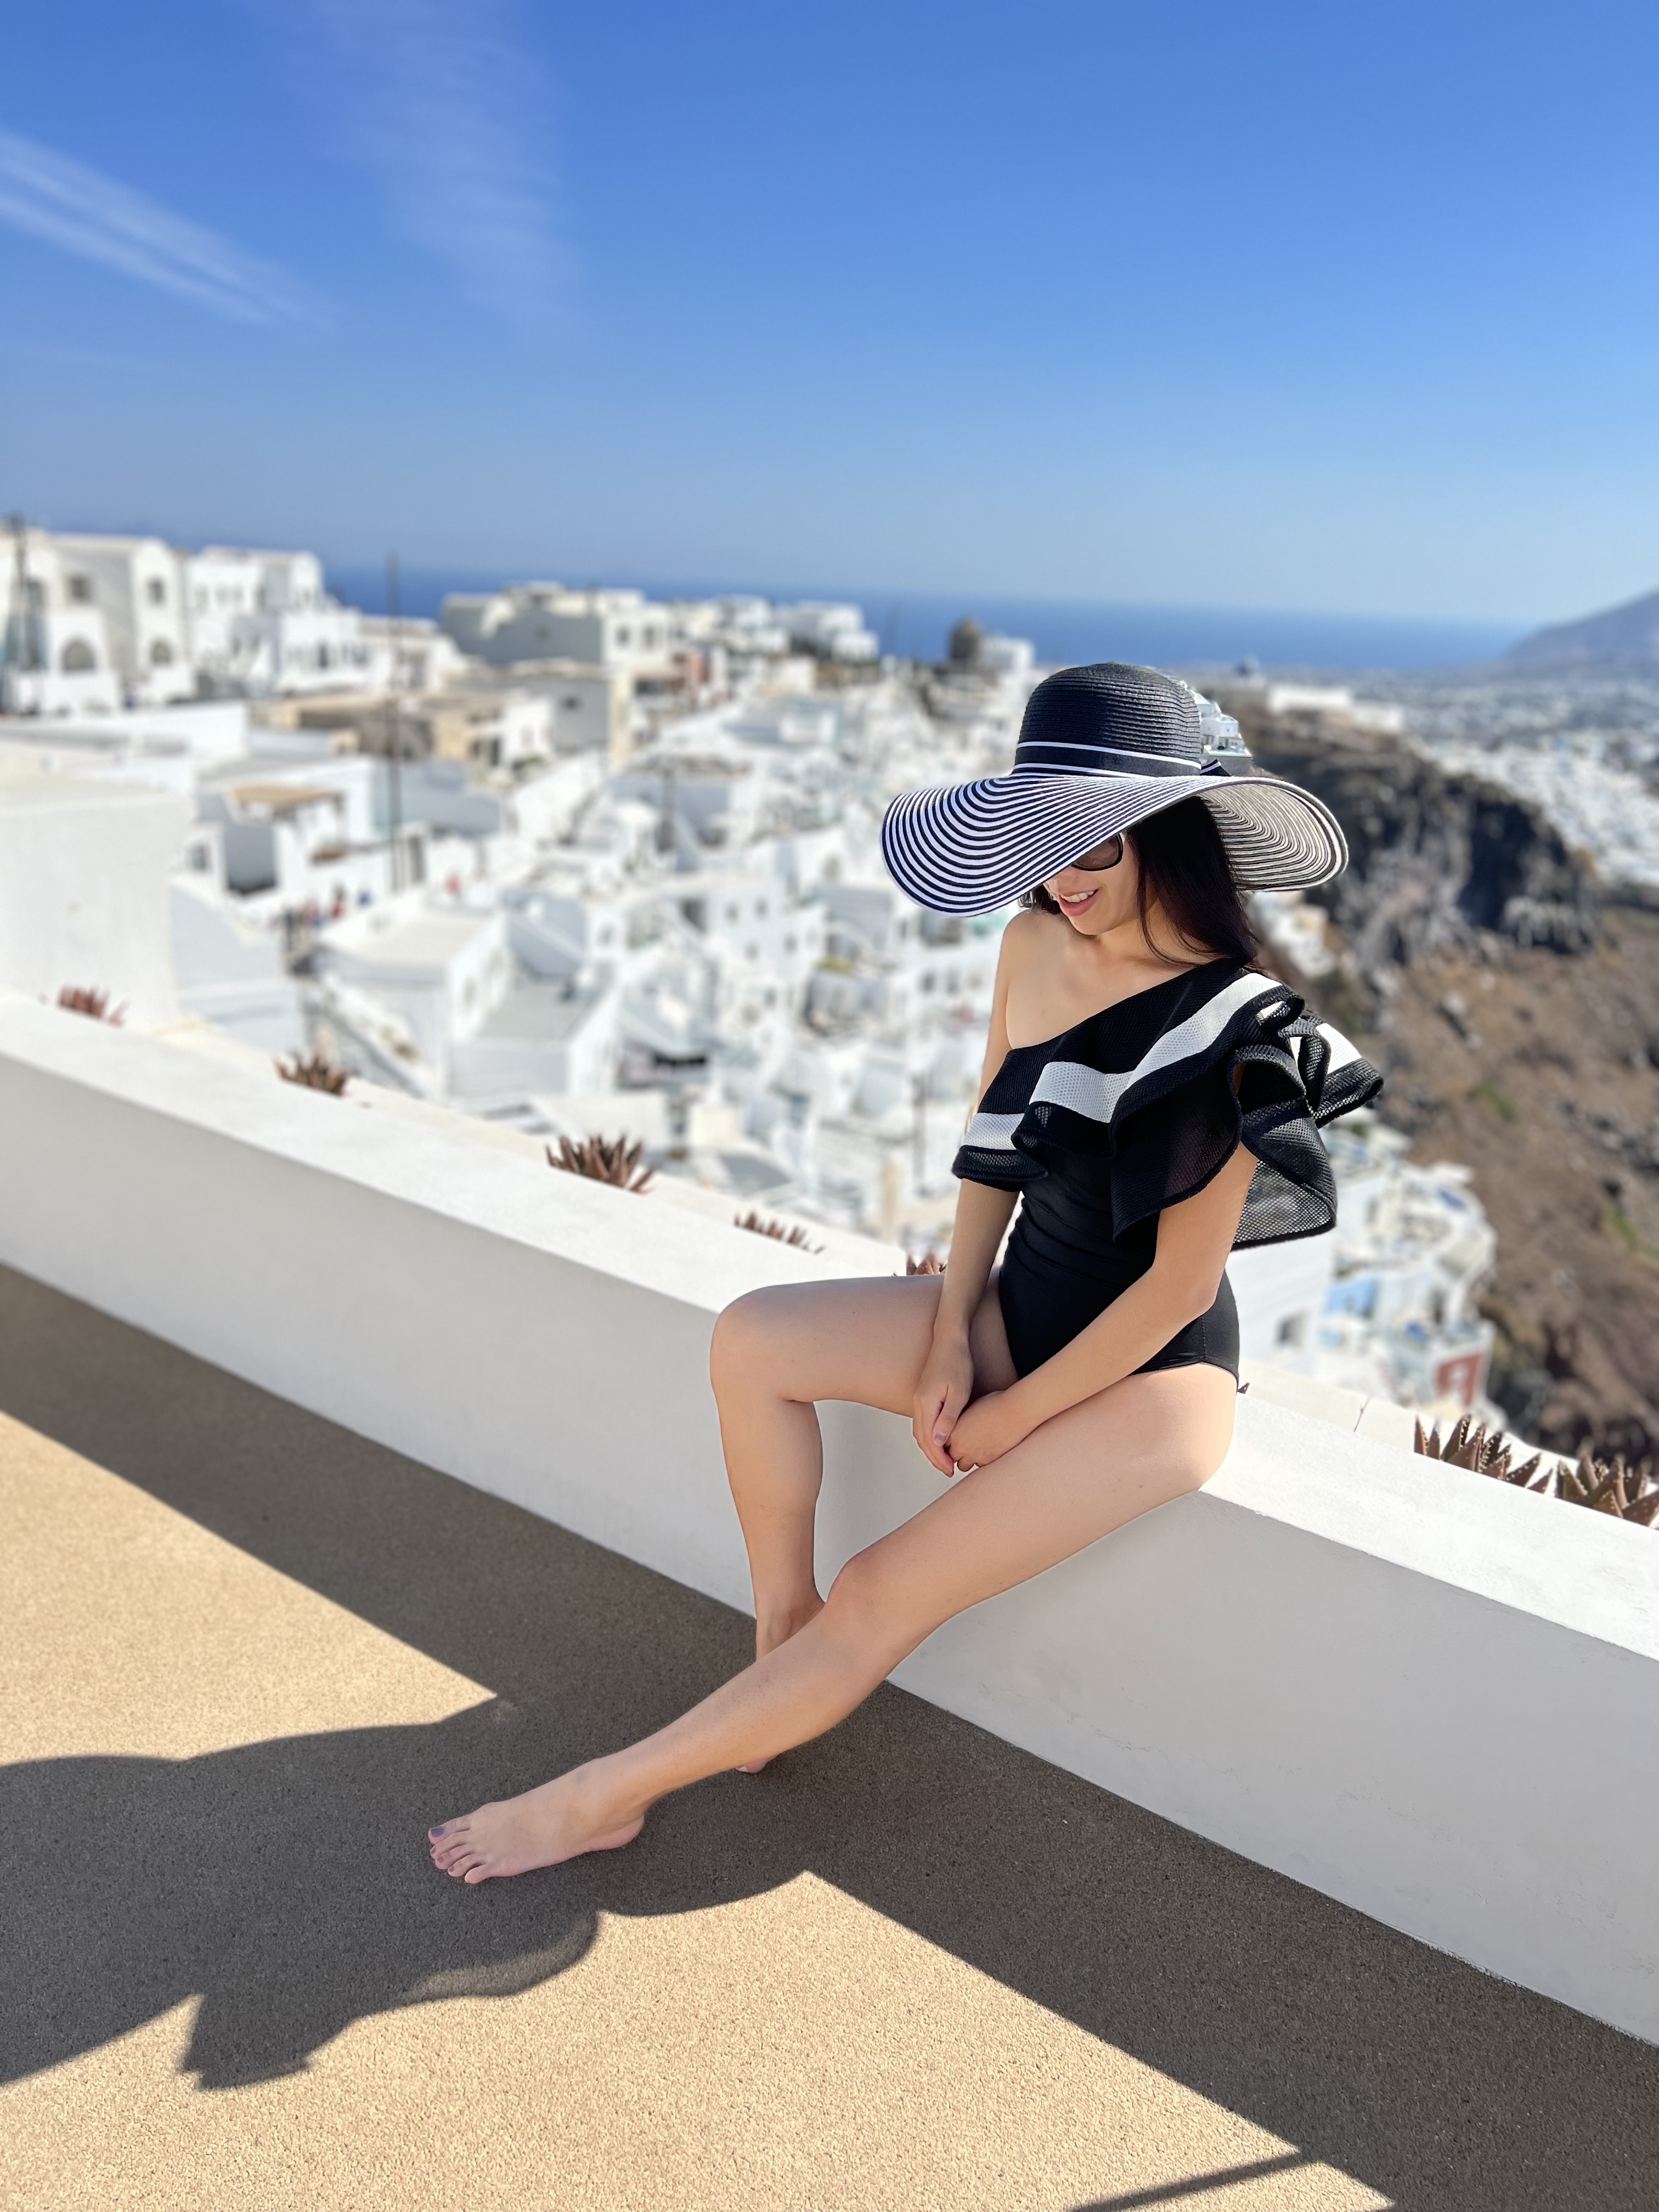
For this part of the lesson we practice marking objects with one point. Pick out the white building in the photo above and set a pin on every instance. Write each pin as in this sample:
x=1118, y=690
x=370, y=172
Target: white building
x=57, y=647
x=262, y=623
x=442, y=963
x=589, y=710
x=96, y=623
x=1336, y=700
x=431, y=992
x=830, y=629
x=314, y=831
x=135, y=583
x=1280, y=1291
x=550, y=622
x=1006, y=656
x=412, y=653
x=488, y=725
x=1412, y=1246
x=744, y=627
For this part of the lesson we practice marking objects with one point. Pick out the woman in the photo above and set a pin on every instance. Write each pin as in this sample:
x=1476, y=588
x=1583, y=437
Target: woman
x=1150, y=1101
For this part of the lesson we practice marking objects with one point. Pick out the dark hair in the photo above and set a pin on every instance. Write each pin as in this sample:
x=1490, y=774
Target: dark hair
x=1184, y=868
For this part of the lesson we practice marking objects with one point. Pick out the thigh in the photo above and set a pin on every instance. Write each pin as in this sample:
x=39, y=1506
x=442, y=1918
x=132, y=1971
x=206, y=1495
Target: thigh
x=865, y=1340
x=1148, y=1439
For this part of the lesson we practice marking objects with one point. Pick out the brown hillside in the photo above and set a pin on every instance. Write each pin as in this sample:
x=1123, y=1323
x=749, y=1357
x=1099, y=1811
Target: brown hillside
x=1552, y=1096
x=1517, y=1020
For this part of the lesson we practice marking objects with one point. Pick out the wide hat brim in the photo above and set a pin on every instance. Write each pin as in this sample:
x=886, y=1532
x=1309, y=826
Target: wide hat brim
x=971, y=847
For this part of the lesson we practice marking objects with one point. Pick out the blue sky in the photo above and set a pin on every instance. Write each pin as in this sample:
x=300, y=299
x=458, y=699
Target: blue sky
x=1281, y=306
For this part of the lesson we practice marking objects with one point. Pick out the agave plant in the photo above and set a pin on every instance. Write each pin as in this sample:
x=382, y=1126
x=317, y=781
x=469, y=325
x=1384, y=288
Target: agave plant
x=313, y=1074
x=1472, y=1445
x=83, y=999
x=604, y=1159
x=793, y=1233
x=1629, y=1493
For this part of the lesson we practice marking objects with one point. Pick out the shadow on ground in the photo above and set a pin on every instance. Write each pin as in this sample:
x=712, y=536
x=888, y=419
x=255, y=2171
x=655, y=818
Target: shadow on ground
x=287, y=1881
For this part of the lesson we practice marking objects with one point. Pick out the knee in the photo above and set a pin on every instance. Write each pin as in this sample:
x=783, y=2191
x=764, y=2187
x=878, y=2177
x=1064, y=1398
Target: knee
x=869, y=1602
x=742, y=1332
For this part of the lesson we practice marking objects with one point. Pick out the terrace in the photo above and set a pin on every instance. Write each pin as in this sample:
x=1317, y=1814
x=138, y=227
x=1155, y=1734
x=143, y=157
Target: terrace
x=347, y=1457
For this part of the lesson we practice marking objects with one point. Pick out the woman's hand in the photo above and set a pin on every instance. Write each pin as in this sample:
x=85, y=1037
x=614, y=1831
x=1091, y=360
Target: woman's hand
x=946, y=1383
x=991, y=1426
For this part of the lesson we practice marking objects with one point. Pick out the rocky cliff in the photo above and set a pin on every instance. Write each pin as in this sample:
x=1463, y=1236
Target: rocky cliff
x=1518, y=1027
x=1436, y=858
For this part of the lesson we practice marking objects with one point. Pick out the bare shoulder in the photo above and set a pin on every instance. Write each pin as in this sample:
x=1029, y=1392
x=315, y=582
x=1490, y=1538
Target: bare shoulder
x=1027, y=938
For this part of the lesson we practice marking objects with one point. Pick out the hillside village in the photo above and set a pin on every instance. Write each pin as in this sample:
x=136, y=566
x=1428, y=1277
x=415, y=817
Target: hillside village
x=577, y=863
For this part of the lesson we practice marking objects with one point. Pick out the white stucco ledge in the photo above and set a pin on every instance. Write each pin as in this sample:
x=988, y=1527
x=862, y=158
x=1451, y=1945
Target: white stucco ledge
x=1421, y=1691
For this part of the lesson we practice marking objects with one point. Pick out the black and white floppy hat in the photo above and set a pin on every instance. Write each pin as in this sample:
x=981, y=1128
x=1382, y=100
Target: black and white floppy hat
x=1100, y=749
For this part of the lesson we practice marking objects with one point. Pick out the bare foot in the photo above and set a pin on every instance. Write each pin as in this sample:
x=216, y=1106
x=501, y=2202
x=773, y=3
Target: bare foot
x=547, y=1825
x=777, y=1628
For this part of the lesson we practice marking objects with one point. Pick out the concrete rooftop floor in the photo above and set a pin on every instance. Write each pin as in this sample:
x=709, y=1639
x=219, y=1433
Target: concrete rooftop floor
x=250, y=1655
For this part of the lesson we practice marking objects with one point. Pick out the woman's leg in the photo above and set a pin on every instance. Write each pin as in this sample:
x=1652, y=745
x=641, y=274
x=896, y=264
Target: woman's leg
x=1149, y=1438
x=778, y=1352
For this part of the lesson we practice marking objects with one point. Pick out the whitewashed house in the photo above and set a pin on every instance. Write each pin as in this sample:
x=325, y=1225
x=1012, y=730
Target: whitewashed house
x=262, y=623
x=550, y=622
x=829, y=629
x=137, y=585
x=56, y=645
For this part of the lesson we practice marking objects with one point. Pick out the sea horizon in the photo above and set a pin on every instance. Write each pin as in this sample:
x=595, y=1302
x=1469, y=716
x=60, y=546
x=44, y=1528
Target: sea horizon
x=915, y=625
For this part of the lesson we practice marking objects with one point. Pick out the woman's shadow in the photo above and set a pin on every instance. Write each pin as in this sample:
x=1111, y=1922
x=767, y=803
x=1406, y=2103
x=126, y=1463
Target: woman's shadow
x=287, y=1883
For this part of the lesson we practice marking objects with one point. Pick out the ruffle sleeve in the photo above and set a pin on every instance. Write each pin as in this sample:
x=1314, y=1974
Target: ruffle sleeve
x=1145, y=1105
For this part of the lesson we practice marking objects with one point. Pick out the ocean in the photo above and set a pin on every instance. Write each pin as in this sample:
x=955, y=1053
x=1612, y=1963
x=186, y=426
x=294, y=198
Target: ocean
x=915, y=624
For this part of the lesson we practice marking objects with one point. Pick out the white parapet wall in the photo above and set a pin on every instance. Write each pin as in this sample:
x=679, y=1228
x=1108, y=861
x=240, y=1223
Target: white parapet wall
x=1420, y=1692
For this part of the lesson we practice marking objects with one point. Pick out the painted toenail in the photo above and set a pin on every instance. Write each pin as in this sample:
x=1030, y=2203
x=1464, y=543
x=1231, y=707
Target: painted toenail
x=434, y=1831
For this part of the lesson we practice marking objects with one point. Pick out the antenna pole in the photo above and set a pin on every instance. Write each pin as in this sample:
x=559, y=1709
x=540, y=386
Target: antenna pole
x=21, y=647
x=394, y=723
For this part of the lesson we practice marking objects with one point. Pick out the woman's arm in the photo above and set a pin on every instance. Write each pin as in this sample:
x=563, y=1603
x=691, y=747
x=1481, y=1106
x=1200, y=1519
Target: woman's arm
x=1193, y=1240
x=946, y=1381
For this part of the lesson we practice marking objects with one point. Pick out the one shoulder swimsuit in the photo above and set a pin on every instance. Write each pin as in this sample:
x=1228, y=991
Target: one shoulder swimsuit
x=1137, y=1108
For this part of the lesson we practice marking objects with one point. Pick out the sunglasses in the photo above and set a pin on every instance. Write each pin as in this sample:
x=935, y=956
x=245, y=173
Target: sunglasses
x=1102, y=857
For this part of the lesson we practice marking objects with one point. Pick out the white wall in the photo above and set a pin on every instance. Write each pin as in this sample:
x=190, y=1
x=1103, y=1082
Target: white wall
x=230, y=974
x=84, y=899
x=1422, y=1692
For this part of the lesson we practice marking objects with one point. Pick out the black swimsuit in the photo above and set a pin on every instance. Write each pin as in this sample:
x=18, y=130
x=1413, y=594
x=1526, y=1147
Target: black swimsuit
x=1135, y=1110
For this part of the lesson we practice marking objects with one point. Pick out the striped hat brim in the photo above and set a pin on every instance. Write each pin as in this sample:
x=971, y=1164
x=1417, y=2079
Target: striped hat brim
x=971, y=847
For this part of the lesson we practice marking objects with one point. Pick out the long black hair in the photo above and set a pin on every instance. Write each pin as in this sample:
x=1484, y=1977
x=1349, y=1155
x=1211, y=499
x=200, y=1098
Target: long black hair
x=1185, y=871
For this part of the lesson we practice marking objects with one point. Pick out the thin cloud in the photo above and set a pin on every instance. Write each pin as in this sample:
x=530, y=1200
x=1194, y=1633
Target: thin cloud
x=444, y=103
x=48, y=195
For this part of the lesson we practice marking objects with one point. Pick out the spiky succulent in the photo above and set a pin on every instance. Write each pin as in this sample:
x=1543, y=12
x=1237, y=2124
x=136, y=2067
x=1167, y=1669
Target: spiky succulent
x=1631, y=1493
x=603, y=1159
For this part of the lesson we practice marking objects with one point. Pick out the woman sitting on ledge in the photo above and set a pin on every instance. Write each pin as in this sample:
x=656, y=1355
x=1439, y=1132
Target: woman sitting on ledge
x=1150, y=1101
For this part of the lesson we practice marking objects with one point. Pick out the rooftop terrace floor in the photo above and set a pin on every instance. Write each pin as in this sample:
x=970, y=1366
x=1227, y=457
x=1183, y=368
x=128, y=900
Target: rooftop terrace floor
x=251, y=1655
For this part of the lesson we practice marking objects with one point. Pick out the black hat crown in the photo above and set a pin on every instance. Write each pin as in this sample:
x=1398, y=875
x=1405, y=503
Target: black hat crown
x=1110, y=717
